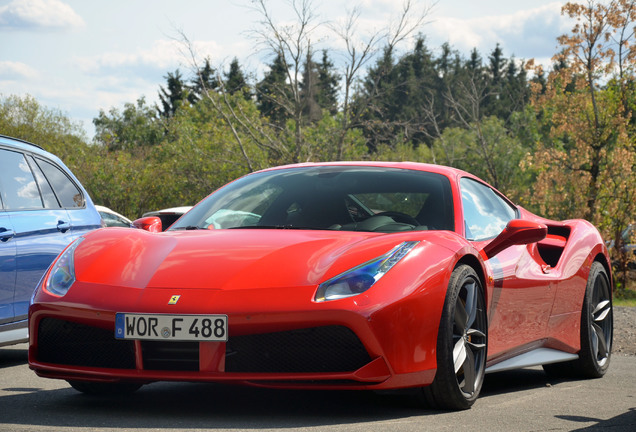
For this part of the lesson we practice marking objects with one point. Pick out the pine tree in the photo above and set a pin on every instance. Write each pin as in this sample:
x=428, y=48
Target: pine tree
x=206, y=80
x=272, y=92
x=378, y=102
x=493, y=91
x=235, y=80
x=516, y=92
x=328, y=80
x=474, y=64
x=309, y=91
x=497, y=65
x=174, y=96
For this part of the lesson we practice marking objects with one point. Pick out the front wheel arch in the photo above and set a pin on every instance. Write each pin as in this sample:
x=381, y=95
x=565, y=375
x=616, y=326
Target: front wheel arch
x=478, y=267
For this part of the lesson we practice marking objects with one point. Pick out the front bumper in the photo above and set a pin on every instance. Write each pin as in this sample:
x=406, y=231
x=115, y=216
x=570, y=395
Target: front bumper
x=349, y=344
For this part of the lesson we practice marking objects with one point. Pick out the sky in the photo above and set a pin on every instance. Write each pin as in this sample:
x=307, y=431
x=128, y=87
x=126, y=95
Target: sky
x=83, y=56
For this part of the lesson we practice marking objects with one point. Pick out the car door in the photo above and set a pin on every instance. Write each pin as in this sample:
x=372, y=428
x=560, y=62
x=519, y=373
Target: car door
x=41, y=225
x=7, y=266
x=522, y=298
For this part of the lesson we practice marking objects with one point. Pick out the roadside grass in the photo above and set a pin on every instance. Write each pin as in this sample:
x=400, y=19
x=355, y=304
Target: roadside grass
x=618, y=301
x=625, y=295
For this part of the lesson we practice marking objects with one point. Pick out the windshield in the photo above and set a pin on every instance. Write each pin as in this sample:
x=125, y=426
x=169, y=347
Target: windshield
x=345, y=198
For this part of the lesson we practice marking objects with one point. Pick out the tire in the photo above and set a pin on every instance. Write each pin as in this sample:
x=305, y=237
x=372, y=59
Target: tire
x=105, y=388
x=462, y=344
x=597, y=327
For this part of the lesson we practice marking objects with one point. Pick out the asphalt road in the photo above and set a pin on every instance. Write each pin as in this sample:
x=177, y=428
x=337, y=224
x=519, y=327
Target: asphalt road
x=524, y=400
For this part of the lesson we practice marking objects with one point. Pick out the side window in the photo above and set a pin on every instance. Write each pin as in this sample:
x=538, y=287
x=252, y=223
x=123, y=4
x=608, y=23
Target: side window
x=485, y=213
x=50, y=201
x=67, y=193
x=17, y=184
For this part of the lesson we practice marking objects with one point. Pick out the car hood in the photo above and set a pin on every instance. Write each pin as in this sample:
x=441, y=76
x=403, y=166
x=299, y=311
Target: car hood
x=225, y=259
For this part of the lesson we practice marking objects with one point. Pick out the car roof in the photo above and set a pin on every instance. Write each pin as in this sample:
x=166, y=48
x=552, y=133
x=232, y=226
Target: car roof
x=417, y=166
x=21, y=144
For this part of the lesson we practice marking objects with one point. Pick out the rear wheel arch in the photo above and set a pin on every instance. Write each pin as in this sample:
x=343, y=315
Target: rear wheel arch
x=596, y=328
x=602, y=259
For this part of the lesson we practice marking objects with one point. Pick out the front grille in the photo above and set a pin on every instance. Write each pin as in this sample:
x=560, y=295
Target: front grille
x=318, y=349
x=313, y=350
x=170, y=356
x=69, y=343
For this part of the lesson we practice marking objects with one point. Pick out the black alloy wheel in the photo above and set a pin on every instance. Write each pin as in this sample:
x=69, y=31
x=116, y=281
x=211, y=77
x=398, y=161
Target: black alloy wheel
x=461, y=344
x=597, y=328
x=597, y=324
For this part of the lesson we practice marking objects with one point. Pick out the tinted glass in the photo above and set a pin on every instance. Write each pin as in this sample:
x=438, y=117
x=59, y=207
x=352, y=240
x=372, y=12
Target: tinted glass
x=17, y=184
x=329, y=197
x=485, y=212
x=112, y=220
x=68, y=194
x=50, y=201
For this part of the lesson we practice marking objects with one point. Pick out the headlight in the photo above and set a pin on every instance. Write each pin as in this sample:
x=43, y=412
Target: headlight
x=361, y=278
x=62, y=274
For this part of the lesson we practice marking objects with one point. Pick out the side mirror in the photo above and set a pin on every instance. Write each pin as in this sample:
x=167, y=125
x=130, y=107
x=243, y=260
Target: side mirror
x=150, y=224
x=517, y=232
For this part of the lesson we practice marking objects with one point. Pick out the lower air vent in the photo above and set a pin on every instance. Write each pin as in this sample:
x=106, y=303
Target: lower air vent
x=170, y=356
x=69, y=343
x=319, y=349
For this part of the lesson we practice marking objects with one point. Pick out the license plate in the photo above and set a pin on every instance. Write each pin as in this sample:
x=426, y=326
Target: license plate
x=171, y=327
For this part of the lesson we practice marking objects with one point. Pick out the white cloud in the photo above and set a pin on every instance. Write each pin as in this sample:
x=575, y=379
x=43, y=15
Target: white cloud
x=10, y=70
x=39, y=15
x=163, y=55
x=525, y=34
x=391, y=9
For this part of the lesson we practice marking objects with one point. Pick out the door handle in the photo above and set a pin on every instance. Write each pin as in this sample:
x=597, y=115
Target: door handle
x=6, y=234
x=63, y=226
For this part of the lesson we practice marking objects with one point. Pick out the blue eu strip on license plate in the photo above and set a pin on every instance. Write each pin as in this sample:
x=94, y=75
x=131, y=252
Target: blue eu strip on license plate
x=171, y=327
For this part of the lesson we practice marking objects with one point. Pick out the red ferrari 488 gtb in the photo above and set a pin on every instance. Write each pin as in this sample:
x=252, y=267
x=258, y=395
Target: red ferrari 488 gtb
x=366, y=275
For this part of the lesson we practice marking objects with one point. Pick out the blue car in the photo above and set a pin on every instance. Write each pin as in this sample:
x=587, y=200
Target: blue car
x=43, y=207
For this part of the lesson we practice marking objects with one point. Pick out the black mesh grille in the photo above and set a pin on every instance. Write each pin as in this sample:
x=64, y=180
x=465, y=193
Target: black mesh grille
x=170, y=356
x=313, y=350
x=319, y=349
x=69, y=343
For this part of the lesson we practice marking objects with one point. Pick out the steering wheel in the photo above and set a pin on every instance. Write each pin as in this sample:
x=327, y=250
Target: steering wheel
x=400, y=217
